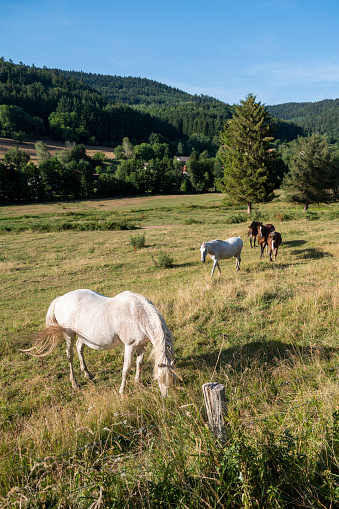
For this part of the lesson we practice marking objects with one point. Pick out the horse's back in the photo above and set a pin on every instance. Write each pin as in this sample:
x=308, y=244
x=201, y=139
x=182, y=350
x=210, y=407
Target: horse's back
x=227, y=248
x=83, y=310
x=105, y=322
x=84, y=299
x=235, y=242
x=85, y=302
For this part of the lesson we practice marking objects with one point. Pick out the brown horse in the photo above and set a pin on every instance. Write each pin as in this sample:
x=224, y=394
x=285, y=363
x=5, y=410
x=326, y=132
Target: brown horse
x=253, y=231
x=263, y=233
x=274, y=240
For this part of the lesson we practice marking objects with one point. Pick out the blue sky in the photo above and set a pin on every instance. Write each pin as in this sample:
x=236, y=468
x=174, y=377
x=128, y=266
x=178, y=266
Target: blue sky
x=280, y=50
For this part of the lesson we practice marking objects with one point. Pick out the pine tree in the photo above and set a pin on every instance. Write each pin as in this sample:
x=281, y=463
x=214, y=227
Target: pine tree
x=246, y=156
x=313, y=175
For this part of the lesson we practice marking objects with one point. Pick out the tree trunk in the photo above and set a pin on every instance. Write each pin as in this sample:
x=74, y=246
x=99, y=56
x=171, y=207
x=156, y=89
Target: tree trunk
x=249, y=208
x=305, y=207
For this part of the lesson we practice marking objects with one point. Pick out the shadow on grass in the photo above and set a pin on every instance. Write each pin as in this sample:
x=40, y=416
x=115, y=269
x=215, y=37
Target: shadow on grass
x=312, y=253
x=268, y=353
x=294, y=243
x=265, y=264
x=187, y=264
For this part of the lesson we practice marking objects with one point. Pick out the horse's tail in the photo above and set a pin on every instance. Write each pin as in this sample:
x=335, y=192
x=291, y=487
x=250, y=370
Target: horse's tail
x=47, y=339
x=50, y=316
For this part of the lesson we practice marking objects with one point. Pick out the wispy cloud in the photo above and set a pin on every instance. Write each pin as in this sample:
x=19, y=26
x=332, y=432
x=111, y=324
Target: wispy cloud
x=318, y=72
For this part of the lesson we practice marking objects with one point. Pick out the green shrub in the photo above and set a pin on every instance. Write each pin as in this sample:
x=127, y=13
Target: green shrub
x=192, y=221
x=137, y=241
x=163, y=260
x=237, y=218
x=311, y=216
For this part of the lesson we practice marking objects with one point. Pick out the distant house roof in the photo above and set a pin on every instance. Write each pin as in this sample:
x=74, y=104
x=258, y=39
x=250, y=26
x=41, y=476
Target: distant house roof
x=183, y=159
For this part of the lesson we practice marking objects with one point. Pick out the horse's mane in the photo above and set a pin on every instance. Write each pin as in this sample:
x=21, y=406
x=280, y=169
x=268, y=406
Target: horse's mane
x=159, y=334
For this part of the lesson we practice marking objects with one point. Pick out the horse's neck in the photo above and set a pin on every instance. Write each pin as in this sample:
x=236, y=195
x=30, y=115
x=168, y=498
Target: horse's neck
x=211, y=247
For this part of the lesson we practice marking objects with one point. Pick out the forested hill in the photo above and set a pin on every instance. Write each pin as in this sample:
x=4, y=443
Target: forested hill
x=98, y=109
x=136, y=91
x=187, y=113
x=321, y=116
x=36, y=101
x=162, y=100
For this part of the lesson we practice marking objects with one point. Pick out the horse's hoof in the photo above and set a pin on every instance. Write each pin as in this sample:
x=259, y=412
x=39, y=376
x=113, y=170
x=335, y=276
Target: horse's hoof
x=89, y=375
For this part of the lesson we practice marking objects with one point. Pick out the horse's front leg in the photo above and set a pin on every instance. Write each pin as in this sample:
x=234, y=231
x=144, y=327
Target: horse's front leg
x=129, y=350
x=140, y=358
x=262, y=249
x=80, y=348
x=70, y=339
x=215, y=264
x=237, y=263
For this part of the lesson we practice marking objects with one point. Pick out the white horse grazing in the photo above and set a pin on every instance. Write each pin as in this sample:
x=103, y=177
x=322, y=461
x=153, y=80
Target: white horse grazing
x=221, y=250
x=102, y=323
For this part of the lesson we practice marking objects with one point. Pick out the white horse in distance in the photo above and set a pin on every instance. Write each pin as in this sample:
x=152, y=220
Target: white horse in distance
x=103, y=323
x=222, y=250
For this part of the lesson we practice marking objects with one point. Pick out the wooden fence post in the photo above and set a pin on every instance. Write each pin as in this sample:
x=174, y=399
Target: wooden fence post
x=216, y=406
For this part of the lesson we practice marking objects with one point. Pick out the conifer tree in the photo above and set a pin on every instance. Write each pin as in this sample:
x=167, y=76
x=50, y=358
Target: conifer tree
x=313, y=175
x=246, y=156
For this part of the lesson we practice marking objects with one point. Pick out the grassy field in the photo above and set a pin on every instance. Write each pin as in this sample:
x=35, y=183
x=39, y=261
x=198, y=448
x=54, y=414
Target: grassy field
x=269, y=333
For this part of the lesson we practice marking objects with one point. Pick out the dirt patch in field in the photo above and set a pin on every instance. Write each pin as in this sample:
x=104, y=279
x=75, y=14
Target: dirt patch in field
x=52, y=146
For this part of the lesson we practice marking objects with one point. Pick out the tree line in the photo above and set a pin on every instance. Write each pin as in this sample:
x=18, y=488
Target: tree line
x=146, y=168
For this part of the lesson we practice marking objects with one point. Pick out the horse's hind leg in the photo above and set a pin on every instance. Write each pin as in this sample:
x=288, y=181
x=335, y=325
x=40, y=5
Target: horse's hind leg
x=129, y=350
x=81, y=347
x=70, y=339
x=140, y=358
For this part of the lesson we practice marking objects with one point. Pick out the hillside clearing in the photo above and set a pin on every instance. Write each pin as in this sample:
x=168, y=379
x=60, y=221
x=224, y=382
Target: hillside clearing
x=52, y=146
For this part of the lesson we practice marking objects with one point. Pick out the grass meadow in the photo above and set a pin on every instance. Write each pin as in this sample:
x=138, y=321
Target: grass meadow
x=269, y=333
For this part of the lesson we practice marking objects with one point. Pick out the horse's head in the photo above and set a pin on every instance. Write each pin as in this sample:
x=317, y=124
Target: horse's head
x=203, y=251
x=165, y=375
x=253, y=228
